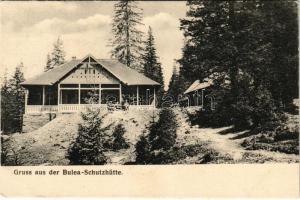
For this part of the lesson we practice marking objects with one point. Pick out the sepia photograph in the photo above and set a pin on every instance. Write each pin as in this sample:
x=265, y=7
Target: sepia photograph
x=149, y=82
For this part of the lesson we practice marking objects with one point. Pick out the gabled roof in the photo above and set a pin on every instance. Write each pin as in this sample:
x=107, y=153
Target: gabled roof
x=197, y=86
x=51, y=76
x=123, y=73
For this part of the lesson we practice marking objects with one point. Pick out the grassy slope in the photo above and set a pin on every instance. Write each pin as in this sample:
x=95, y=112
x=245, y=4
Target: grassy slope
x=49, y=144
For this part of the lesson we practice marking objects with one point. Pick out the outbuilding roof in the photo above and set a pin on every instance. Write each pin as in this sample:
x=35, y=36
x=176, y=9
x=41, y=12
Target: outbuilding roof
x=197, y=86
x=123, y=73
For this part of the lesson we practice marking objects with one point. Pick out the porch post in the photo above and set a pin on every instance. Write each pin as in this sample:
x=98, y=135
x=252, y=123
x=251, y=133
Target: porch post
x=197, y=98
x=43, y=95
x=202, y=97
x=100, y=94
x=58, y=94
x=26, y=99
x=120, y=90
x=79, y=96
x=137, y=95
x=154, y=100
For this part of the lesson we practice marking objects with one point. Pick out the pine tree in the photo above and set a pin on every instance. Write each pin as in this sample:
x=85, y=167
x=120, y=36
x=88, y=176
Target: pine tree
x=12, y=102
x=142, y=148
x=174, y=85
x=88, y=146
x=162, y=134
x=119, y=142
x=154, y=148
x=58, y=54
x=250, y=38
x=127, y=38
x=152, y=67
x=4, y=103
x=281, y=31
x=48, y=63
x=19, y=97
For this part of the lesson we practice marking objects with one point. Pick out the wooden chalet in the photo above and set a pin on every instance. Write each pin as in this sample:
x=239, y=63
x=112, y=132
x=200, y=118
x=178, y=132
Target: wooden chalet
x=69, y=87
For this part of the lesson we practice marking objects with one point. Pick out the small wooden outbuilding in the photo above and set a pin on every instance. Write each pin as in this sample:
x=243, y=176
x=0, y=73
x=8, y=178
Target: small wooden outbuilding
x=198, y=94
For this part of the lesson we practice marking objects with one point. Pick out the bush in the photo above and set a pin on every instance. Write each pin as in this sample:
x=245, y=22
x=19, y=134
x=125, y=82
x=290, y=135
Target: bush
x=210, y=118
x=88, y=146
x=284, y=133
x=119, y=141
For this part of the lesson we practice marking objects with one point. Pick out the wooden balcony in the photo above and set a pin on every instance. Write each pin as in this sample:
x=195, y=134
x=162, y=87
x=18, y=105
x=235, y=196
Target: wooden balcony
x=35, y=109
x=72, y=108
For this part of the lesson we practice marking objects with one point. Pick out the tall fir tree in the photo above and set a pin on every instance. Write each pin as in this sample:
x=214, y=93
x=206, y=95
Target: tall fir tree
x=126, y=41
x=152, y=67
x=18, y=93
x=58, y=54
x=4, y=103
x=249, y=39
x=281, y=30
x=48, y=63
x=174, y=88
x=12, y=102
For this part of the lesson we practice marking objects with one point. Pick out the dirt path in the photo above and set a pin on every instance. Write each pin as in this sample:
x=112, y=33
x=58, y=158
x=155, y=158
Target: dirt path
x=226, y=144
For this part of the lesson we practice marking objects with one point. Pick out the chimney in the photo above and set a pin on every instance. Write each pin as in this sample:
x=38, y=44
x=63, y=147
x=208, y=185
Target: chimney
x=73, y=57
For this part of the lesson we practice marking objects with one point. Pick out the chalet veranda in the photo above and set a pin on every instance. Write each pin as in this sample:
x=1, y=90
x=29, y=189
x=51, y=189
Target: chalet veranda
x=71, y=86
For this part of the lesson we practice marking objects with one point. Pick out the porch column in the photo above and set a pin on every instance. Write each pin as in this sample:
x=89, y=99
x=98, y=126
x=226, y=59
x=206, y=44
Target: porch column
x=43, y=95
x=202, y=97
x=26, y=97
x=120, y=93
x=58, y=94
x=79, y=96
x=100, y=94
x=197, y=98
x=154, y=100
x=137, y=95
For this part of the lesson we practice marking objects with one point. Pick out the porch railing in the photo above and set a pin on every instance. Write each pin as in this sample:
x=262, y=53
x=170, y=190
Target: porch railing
x=68, y=108
x=40, y=108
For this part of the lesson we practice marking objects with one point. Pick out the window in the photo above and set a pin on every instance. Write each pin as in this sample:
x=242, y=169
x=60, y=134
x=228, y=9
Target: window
x=89, y=96
x=69, y=96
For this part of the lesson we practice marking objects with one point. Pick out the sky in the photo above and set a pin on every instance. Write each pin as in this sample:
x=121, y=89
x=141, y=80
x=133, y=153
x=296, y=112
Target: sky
x=29, y=29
